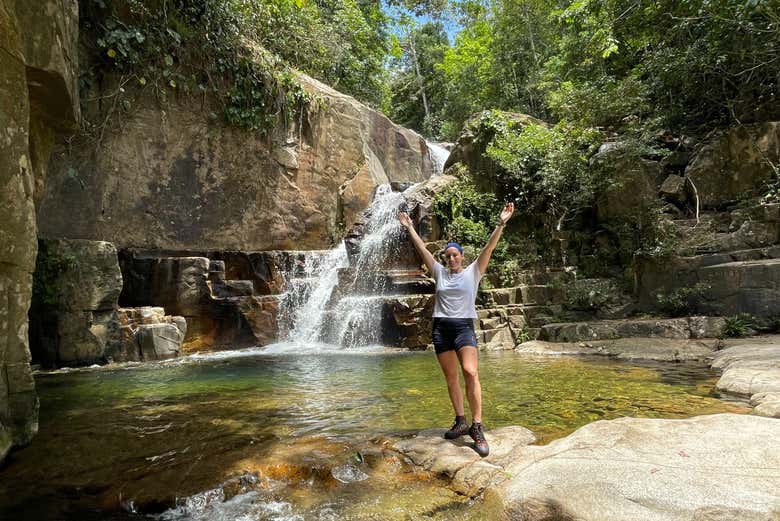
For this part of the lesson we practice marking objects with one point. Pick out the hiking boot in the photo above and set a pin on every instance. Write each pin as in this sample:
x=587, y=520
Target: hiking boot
x=480, y=444
x=458, y=429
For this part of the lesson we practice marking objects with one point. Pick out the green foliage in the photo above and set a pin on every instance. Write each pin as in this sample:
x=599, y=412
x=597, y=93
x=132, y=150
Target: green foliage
x=468, y=216
x=616, y=63
x=467, y=231
x=461, y=200
x=586, y=298
x=644, y=232
x=415, y=75
x=546, y=170
x=240, y=51
x=679, y=301
x=742, y=324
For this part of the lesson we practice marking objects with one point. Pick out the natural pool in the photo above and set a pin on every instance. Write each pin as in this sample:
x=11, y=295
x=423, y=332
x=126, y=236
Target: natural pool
x=290, y=435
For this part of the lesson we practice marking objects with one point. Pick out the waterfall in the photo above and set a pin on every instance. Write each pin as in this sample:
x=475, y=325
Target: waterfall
x=305, y=298
x=352, y=316
x=438, y=155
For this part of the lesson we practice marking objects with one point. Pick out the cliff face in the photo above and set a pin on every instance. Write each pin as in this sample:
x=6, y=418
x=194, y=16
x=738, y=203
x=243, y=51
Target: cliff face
x=178, y=178
x=38, y=99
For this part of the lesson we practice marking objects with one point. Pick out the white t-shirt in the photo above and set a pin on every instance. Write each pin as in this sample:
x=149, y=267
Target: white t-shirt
x=456, y=292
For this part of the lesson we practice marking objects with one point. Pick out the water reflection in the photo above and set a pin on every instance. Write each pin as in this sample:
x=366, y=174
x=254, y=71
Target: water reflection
x=140, y=437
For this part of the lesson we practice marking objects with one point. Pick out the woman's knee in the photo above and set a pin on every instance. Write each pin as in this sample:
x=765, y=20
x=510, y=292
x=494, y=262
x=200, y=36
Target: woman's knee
x=470, y=372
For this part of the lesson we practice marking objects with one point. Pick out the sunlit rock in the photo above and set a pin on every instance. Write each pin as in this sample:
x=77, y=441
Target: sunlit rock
x=648, y=469
x=456, y=459
x=735, y=164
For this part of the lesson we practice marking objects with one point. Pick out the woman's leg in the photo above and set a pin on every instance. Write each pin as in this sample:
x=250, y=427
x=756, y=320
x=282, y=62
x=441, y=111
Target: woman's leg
x=469, y=361
x=448, y=360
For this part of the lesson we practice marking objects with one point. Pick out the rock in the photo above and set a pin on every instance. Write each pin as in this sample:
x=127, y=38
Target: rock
x=477, y=133
x=457, y=461
x=500, y=339
x=217, y=311
x=766, y=404
x=636, y=183
x=38, y=100
x=726, y=283
x=130, y=327
x=648, y=469
x=593, y=294
x=750, y=366
x=673, y=189
x=420, y=205
x=743, y=287
x=760, y=398
x=159, y=341
x=678, y=328
x=706, y=327
x=77, y=284
x=261, y=313
x=216, y=187
x=412, y=320
x=735, y=164
x=660, y=349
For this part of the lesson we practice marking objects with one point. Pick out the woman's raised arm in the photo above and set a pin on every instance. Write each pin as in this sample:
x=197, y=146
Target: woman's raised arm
x=418, y=243
x=487, y=251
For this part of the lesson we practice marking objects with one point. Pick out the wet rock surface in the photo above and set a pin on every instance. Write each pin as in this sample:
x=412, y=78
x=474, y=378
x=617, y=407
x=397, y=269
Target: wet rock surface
x=456, y=460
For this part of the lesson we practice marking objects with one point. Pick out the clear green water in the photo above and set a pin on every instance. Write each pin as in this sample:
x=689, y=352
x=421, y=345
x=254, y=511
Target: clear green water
x=136, y=438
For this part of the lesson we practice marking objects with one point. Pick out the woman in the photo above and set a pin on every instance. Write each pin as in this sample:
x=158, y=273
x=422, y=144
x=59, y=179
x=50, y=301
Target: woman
x=453, y=323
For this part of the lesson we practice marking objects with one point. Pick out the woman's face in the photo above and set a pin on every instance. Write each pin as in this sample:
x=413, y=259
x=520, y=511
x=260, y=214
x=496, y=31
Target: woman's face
x=454, y=258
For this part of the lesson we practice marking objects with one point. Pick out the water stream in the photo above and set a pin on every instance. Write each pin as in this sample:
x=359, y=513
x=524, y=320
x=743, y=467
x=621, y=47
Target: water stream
x=294, y=431
x=247, y=435
x=320, y=320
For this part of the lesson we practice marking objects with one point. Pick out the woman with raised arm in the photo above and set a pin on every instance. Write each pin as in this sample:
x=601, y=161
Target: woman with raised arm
x=453, y=323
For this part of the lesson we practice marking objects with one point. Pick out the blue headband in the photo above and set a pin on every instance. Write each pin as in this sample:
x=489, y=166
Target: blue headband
x=454, y=245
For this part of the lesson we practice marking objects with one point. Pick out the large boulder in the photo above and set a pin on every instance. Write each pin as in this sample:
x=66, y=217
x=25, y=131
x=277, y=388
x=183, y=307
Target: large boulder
x=649, y=469
x=736, y=164
x=38, y=99
x=750, y=366
x=635, y=185
x=199, y=184
x=77, y=284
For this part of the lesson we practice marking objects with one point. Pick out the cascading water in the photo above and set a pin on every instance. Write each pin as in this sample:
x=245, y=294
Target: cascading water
x=438, y=155
x=316, y=317
x=353, y=318
x=302, y=304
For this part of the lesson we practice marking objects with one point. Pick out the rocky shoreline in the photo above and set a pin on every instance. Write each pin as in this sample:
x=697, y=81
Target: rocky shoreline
x=714, y=467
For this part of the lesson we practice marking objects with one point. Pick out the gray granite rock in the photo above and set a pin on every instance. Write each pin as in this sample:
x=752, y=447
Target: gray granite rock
x=720, y=467
x=750, y=366
x=661, y=349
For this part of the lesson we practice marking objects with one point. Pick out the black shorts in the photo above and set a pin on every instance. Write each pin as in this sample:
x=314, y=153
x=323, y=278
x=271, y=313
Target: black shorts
x=453, y=333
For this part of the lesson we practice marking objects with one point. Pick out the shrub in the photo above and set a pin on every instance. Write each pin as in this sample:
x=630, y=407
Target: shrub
x=740, y=325
x=678, y=302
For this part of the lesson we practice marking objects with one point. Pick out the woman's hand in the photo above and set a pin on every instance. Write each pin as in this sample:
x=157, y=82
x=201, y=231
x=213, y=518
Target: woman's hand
x=507, y=212
x=405, y=220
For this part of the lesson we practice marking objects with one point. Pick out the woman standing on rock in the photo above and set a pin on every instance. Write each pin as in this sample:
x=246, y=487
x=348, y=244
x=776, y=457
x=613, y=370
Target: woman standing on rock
x=453, y=323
